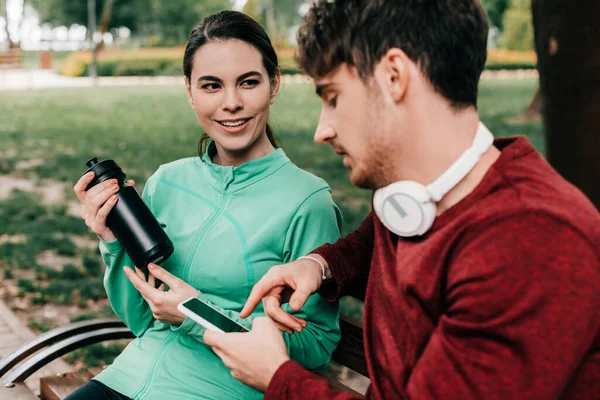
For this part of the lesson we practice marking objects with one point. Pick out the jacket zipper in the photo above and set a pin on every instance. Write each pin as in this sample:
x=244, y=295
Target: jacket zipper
x=205, y=229
x=146, y=386
x=143, y=391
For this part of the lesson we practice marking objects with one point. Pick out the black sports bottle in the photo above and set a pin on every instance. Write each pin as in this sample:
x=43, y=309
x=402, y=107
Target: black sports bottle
x=131, y=220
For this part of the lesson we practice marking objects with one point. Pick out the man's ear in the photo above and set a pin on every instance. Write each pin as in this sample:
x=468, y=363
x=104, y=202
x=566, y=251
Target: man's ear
x=275, y=85
x=188, y=92
x=395, y=71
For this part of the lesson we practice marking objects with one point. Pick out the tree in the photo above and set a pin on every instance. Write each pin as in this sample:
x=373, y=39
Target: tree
x=68, y=12
x=567, y=40
x=518, y=27
x=172, y=21
x=495, y=11
x=4, y=15
x=168, y=22
x=276, y=16
x=254, y=9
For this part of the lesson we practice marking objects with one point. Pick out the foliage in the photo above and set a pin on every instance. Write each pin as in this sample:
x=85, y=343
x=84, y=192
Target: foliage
x=508, y=59
x=105, y=312
x=165, y=22
x=495, y=10
x=92, y=266
x=172, y=21
x=96, y=355
x=41, y=325
x=7, y=272
x=26, y=285
x=518, y=26
x=69, y=12
x=71, y=272
x=147, y=62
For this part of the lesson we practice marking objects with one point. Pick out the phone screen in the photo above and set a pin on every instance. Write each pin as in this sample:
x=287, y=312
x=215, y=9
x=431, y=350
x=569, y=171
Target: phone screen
x=213, y=316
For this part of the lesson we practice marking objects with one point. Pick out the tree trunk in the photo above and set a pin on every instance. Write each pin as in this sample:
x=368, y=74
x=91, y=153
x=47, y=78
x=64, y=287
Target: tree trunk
x=91, y=28
x=534, y=108
x=4, y=14
x=567, y=39
x=106, y=14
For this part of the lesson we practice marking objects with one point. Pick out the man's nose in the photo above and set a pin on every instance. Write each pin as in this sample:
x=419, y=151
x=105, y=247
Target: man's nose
x=325, y=130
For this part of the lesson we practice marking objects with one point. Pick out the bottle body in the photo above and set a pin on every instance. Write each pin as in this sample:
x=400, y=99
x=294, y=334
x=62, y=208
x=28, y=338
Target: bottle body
x=137, y=229
x=130, y=220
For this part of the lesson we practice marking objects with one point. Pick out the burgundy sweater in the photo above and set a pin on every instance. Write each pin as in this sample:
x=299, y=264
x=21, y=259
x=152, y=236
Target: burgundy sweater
x=499, y=300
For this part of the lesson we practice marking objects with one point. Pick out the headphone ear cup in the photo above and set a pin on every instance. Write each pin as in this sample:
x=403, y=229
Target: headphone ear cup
x=405, y=208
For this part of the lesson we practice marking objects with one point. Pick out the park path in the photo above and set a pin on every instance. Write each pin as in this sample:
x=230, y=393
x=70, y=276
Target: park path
x=13, y=333
x=32, y=79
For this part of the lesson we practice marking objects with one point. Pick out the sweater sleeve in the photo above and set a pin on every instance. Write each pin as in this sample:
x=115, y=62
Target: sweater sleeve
x=316, y=221
x=523, y=312
x=292, y=382
x=126, y=301
x=349, y=259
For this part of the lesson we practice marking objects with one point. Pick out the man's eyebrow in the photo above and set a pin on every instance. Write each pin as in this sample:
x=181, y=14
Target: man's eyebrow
x=321, y=88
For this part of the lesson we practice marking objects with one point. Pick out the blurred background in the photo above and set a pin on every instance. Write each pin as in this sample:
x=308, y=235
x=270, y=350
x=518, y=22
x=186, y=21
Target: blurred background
x=83, y=78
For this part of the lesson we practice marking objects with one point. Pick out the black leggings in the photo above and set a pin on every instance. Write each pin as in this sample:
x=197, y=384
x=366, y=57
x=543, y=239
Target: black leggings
x=94, y=390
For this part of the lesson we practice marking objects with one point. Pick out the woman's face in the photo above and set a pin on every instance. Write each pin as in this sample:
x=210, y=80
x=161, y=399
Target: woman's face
x=231, y=93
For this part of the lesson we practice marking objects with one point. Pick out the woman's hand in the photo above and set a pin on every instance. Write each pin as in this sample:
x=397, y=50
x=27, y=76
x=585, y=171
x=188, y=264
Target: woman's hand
x=97, y=203
x=162, y=304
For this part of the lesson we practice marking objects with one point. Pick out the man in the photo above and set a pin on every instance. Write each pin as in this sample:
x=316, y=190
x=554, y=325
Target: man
x=484, y=284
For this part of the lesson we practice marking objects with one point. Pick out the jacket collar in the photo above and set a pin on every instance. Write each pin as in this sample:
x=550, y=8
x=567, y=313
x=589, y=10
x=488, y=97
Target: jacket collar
x=236, y=178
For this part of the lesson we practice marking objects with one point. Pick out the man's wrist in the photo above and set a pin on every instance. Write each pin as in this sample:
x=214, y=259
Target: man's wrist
x=277, y=377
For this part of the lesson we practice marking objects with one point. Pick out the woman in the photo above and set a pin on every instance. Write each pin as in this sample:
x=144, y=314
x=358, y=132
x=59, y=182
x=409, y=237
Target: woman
x=240, y=209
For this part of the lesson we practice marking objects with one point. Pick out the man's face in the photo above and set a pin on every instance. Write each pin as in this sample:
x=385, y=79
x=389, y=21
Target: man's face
x=351, y=122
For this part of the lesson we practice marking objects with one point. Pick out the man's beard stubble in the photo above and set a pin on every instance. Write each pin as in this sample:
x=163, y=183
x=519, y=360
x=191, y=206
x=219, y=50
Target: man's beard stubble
x=376, y=161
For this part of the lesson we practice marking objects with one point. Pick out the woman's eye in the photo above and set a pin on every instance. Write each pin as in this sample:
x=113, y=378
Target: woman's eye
x=250, y=83
x=211, y=87
x=333, y=102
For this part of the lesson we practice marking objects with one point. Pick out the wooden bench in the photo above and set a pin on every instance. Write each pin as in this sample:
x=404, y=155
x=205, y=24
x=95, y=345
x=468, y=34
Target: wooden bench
x=10, y=59
x=21, y=363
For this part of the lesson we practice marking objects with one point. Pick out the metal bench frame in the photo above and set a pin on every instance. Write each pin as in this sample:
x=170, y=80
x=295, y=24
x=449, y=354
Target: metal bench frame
x=37, y=353
x=53, y=344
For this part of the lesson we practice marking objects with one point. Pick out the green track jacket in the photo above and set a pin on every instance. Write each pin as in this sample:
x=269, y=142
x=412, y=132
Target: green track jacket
x=229, y=225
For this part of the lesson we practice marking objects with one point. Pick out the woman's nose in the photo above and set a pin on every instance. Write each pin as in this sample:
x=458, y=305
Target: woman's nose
x=233, y=101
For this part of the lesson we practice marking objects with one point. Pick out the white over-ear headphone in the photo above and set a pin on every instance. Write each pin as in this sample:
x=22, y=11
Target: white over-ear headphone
x=408, y=208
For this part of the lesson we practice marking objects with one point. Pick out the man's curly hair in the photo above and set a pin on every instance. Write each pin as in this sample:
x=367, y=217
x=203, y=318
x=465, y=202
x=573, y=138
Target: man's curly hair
x=446, y=38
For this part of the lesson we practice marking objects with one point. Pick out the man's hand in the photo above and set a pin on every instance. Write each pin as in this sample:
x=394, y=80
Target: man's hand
x=253, y=357
x=162, y=304
x=292, y=282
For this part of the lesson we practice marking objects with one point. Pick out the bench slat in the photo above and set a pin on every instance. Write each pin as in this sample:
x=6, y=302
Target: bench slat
x=337, y=385
x=60, y=386
x=19, y=392
x=351, y=351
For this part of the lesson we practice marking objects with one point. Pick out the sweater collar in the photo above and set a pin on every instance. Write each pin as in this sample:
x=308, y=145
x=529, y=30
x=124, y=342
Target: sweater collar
x=235, y=178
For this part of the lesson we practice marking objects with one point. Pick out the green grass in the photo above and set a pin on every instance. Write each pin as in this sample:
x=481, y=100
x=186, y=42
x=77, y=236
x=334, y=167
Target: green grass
x=143, y=127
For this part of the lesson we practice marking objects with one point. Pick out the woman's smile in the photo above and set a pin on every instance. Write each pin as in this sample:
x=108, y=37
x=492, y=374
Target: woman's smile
x=234, y=125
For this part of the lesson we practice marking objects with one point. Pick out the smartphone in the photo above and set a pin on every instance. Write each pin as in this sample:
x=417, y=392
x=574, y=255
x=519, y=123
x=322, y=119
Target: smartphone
x=209, y=317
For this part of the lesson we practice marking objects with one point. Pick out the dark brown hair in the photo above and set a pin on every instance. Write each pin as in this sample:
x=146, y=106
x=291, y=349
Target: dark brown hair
x=226, y=25
x=446, y=38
